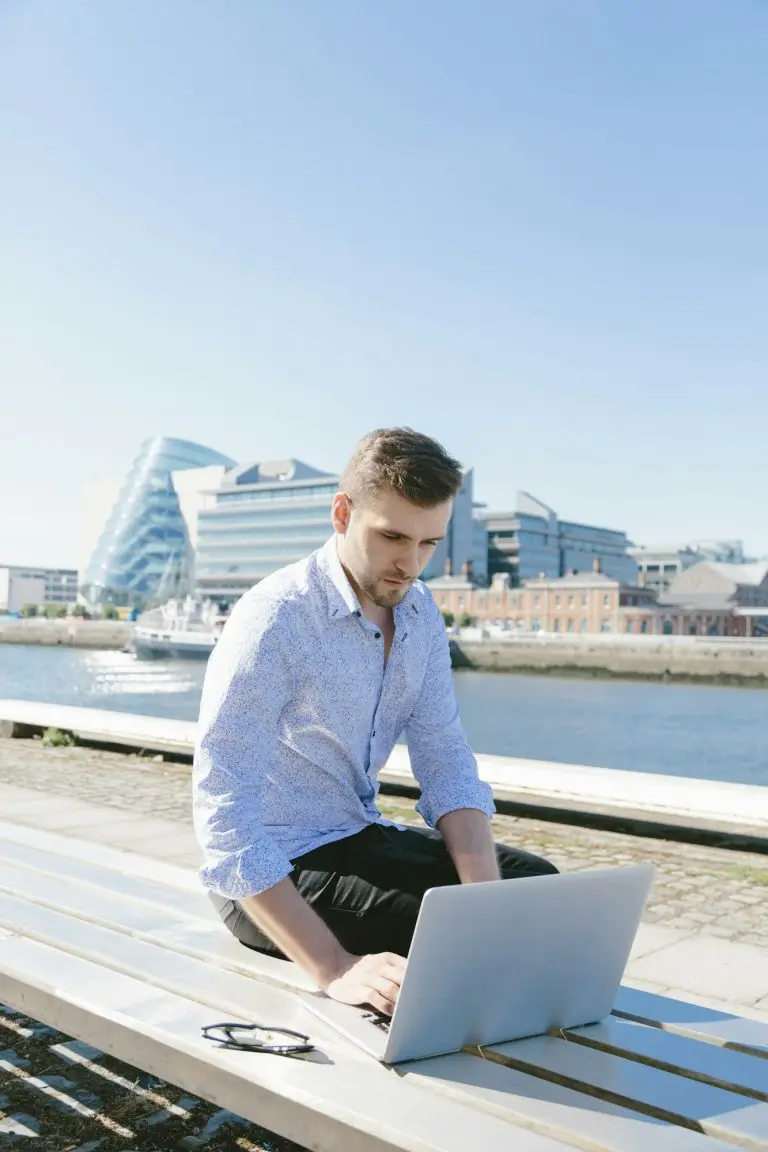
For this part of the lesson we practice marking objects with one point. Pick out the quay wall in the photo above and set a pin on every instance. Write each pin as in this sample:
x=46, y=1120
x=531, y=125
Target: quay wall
x=741, y=662
x=104, y=634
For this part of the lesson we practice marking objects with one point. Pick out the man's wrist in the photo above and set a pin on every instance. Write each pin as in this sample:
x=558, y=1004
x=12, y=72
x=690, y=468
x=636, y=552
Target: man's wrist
x=478, y=869
x=332, y=967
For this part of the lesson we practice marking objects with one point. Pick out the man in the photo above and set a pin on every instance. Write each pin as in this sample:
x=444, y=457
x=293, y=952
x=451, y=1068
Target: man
x=318, y=671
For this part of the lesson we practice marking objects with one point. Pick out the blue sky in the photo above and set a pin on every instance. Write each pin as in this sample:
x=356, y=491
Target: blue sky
x=534, y=230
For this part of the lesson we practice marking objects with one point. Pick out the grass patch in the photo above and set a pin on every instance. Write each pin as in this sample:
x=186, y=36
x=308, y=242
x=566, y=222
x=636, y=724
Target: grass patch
x=57, y=738
x=751, y=875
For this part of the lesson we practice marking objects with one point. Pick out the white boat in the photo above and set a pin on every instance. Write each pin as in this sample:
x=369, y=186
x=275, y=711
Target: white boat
x=178, y=630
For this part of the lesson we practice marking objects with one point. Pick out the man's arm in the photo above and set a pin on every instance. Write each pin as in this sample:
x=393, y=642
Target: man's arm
x=453, y=797
x=286, y=918
x=467, y=834
x=248, y=682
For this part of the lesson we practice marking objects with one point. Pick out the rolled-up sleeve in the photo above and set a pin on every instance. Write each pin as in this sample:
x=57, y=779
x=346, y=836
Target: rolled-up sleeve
x=247, y=683
x=441, y=759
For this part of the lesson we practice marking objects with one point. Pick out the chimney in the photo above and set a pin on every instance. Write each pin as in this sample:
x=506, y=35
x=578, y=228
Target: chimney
x=597, y=564
x=466, y=569
x=448, y=567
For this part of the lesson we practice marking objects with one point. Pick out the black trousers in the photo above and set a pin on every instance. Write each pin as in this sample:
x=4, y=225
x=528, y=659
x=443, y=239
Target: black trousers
x=368, y=887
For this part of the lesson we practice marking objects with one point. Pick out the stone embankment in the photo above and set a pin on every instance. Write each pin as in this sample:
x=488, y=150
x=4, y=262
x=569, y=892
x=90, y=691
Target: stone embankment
x=737, y=662
x=104, y=634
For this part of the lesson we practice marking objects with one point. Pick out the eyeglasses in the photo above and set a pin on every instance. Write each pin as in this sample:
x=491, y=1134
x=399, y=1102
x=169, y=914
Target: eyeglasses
x=258, y=1038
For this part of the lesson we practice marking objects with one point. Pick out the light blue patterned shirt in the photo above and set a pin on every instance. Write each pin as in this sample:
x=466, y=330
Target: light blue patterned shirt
x=300, y=712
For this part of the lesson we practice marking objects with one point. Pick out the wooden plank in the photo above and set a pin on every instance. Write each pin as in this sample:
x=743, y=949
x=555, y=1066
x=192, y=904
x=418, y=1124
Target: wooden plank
x=223, y=991
x=107, y=882
x=690, y=1103
x=101, y=856
x=688, y=1019
x=336, y=1100
x=723, y=1067
x=552, y=1109
x=145, y=921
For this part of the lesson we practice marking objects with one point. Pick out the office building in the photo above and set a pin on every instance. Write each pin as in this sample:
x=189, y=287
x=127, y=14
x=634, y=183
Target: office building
x=144, y=552
x=465, y=547
x=38, y=586
x=660, y=564
x=532, y=542
x=262, y=517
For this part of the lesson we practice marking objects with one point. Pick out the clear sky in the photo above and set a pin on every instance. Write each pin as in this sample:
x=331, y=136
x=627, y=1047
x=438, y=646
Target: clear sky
x=536, y=229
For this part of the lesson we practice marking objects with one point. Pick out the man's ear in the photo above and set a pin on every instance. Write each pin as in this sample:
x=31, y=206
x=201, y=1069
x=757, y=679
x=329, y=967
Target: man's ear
x=341, y=511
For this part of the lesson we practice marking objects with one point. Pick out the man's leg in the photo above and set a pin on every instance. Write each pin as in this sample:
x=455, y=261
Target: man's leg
x=368, y=887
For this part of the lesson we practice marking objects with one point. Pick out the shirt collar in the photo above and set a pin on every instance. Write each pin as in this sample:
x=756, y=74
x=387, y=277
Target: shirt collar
x=342, y=600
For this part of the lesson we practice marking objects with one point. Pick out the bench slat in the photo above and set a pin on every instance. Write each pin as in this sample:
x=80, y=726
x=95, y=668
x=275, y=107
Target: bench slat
x=226, y=993
x=555, y=1110
x=120, y=883
x=209, y=941
x=332, y=1103
x=723, y=1067
x=716, y=1111
x=692, y=1020
x=101, y=856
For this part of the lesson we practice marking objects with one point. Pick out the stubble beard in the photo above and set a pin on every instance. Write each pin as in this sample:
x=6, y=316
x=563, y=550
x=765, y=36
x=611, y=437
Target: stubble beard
x=384, y=597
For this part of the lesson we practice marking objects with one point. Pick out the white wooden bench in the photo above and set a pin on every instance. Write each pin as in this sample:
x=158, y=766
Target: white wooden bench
x=128, y=955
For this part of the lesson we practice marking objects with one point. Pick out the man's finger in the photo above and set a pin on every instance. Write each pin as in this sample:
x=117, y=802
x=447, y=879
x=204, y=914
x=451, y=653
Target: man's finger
x=381, y=1003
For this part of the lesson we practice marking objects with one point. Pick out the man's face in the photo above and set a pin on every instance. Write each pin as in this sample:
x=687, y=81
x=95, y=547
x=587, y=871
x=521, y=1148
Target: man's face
x=387, y=542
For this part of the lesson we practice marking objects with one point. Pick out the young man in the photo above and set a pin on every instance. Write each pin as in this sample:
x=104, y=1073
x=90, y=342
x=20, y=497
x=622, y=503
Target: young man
x=318, y=671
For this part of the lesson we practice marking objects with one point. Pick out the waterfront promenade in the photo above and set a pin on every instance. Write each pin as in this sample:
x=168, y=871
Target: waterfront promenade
x=704, y=938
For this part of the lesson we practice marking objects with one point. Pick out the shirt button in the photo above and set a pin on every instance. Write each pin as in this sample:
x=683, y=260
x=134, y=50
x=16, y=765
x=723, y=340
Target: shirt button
x=377, y=635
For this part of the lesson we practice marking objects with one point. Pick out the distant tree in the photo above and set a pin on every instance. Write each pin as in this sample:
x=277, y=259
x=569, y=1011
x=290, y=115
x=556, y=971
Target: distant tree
x=79, y=610
x=110, y=612
x=465, y=620
x=449, y=618
x=29, y=610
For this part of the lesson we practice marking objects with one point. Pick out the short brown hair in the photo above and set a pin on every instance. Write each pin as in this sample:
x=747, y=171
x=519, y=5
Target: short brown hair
x=407, y=462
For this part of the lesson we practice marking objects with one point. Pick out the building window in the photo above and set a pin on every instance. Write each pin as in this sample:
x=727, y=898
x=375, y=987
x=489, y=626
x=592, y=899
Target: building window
x=628, y=626
x=584, y=599
x=557, y=625
x=606, y=601
x=644, y=627
x=571, y=601
x=535, y=624
x=557, y=601
x=443, y=598
x=461, y=601
x=498, y=601
x=582, y=625
x=537, y=601
x=605, y=625
x=569, y=625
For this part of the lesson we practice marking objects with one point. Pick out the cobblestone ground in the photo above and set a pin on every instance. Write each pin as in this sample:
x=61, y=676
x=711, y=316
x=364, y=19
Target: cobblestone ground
x=71, y=1098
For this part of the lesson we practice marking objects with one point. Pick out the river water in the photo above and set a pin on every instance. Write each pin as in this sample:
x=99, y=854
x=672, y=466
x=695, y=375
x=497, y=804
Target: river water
x=682, y=730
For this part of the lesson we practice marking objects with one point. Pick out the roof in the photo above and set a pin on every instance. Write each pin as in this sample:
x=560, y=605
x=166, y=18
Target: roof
x=459, y=583
x=589, y=579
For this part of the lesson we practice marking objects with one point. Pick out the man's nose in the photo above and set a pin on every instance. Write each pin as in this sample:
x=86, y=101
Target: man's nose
x=408, y=564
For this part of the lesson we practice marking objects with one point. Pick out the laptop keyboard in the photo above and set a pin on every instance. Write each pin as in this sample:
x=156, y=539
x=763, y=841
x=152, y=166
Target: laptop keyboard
x=381, y=1022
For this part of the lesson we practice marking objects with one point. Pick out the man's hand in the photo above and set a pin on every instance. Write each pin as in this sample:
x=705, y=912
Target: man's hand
x=373, y=979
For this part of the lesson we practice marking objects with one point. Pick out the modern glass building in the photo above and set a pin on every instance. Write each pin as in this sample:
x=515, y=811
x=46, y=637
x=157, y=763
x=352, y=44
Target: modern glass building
x=144, y=553
x=266, y=515
x=532, y=542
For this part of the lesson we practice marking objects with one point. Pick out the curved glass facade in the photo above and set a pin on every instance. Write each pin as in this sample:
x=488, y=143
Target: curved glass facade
x=144, y=552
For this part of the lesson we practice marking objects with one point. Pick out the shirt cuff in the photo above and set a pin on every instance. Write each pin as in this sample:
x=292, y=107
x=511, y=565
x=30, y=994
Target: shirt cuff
x=434, y=806
x=236, y=875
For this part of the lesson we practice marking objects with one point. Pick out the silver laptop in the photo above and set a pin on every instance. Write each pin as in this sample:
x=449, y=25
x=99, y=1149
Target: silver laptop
x=502, y=960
